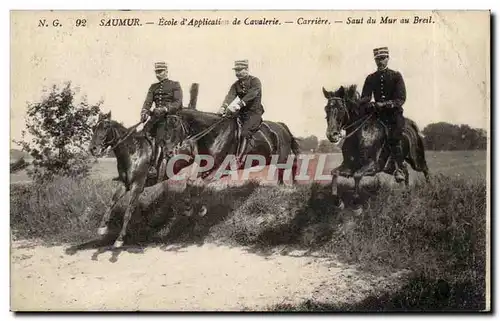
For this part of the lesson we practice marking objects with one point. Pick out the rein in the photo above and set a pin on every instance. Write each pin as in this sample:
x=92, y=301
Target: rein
x=204, y=132
x=126, y=135
x=355, y=123
x=362, y=120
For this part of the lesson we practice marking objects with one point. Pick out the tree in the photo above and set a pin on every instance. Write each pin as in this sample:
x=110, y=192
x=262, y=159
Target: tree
x=308, y=144
x=325, y=146
x=445, y=136
x=60, y=130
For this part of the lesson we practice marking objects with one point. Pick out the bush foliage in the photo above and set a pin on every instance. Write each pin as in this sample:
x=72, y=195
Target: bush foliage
x=57, y=132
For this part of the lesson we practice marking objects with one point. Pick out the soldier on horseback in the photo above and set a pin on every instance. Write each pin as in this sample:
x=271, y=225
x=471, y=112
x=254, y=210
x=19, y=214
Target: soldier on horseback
x=388, y=89
x=249, y=91
x=167, y=97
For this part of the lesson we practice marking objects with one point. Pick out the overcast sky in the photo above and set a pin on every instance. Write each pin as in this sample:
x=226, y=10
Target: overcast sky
x=445, y=64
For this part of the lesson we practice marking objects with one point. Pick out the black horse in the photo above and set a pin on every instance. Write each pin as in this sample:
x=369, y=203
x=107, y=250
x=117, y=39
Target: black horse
x=365, y=149
x=195, y=133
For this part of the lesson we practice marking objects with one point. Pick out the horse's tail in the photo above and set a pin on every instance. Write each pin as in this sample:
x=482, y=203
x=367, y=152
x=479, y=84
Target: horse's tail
x=417, y=153
x=295, y=145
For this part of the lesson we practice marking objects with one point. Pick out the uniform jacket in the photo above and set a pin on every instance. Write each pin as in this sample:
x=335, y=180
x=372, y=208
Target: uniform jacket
x=386, y=86
x=249, y=90
x=166, y=93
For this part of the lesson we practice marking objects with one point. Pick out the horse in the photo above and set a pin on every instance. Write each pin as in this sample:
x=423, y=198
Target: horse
x=365, y=149
x=195, y=132
x=133, y=153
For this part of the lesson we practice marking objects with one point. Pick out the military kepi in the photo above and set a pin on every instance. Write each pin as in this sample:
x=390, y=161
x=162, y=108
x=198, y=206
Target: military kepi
x=381, y=52
x=161, y=65
x=240, y=64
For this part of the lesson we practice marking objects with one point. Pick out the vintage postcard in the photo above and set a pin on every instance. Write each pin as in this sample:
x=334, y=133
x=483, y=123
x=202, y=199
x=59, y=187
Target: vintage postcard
x=250, y=160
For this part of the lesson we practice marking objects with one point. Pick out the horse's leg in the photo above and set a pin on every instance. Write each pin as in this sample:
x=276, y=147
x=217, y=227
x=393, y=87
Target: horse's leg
x=337, y=201
x=426, y=174
x=342, y=170
x=139, y=177
x=357, y=183
x=367, y=170
x=103, y=226
x=136, y=190
x=281, y=172
x=407, y=175
x=294, y=171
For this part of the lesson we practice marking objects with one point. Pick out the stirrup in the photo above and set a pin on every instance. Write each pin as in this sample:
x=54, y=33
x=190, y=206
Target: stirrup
x=399, y=174
x=152, y=171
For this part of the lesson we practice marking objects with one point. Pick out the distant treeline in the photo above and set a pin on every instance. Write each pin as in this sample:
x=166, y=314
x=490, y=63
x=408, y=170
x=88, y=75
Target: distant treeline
x=445, y=136
x=437, y=136
x=311, y=144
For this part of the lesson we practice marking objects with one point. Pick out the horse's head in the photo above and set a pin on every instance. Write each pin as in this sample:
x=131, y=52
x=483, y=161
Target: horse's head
x=104, y=135
x=339, y=111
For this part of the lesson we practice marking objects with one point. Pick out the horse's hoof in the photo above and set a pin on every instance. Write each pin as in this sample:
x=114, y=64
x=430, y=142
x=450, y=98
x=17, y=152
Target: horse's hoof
x=102, y=231
x=357, y=211
x=118, y=244
x=203, y=211
x=399, y=178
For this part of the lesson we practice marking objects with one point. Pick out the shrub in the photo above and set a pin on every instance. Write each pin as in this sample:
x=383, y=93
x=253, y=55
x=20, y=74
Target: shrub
x=57, y=131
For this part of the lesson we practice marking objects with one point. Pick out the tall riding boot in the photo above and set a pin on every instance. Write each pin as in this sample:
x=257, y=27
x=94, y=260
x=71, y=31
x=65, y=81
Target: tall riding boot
x=241, y=151
x=398, y=162
x=152, y=172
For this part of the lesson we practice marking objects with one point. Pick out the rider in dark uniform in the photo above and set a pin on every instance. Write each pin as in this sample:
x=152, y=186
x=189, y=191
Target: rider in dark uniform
x=249, y=90
x=388, y=89
x=167, y=97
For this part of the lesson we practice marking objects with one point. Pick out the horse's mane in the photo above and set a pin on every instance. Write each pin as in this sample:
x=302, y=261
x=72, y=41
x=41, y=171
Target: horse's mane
x=202, y=118
x=349, y=92
x=119, y=125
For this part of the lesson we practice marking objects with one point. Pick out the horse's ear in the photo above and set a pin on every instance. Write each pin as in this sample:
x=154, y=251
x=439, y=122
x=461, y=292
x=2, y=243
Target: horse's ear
x=326, y=93
x=351, y=92
x=341, y=92
x=108, y=115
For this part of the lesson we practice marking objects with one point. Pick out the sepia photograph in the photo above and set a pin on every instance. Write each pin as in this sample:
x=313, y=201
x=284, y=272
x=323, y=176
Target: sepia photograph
x=250, y=161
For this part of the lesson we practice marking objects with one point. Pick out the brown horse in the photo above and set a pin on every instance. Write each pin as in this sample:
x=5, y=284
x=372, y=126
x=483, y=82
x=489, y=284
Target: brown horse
x=197, y=133
x=133, y=152
x=365, y=149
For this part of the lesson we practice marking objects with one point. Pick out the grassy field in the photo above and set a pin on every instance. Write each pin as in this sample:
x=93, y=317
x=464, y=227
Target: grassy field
x=435, y=230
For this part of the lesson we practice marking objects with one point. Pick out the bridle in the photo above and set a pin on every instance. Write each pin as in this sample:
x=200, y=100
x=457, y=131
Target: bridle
x=116, y=136
x=108, y=142
x=347, y=126
x=335, y=111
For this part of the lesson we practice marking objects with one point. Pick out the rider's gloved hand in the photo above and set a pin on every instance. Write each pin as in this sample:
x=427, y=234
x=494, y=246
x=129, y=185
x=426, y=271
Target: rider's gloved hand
x=159, y=112
x=222, y=110
x=144, y=115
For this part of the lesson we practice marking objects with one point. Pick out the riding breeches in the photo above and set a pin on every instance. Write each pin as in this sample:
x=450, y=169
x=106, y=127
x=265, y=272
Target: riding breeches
x=250, y=123
x=158, y=131
x=396, y=123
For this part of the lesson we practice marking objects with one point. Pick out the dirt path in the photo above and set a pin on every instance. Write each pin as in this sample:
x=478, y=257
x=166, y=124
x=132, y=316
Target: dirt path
x=207, y=277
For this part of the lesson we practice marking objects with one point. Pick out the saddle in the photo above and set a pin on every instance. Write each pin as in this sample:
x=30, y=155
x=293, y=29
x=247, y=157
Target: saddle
x=239, y=125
